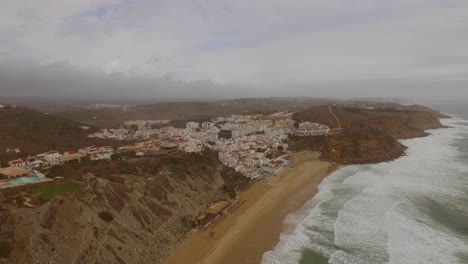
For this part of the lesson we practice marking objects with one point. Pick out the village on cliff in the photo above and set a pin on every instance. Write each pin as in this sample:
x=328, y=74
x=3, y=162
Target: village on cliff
x=254, y=145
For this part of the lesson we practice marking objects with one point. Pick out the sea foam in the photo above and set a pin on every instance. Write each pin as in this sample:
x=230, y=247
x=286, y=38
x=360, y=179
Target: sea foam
x=387, y=212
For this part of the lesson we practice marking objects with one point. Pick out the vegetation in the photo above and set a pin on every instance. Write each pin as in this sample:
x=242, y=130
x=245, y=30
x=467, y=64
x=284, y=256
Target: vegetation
x=34, y=132
x=106, y=216
x=5, y=249
x=116, y=156
x=47, y=193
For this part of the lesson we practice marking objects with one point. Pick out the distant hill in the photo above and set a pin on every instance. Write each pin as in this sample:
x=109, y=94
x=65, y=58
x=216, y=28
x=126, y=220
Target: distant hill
x=191, y=110
x=34, y=132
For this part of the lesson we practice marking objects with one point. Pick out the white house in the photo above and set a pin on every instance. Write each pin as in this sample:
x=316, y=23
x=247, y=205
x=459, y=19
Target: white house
x=52, y=157
x=192, y=125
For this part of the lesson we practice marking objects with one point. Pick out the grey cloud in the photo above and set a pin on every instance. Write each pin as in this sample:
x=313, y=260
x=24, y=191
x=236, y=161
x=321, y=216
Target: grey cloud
x=61, y=80
x=64, y=81
x=244, y=47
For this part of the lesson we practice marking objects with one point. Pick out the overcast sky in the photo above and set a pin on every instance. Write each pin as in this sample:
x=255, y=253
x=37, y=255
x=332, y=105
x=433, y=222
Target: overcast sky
x=234, y=48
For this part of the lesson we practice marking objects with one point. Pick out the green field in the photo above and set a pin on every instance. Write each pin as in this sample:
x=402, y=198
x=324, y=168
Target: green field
x=49, y=192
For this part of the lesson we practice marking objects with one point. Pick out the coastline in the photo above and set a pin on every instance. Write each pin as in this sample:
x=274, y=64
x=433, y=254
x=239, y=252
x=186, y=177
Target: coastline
x=244, y=234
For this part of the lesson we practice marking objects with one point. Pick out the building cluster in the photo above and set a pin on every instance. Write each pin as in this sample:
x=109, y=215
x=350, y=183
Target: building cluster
x=117, y=134
x=141, y=124
x=311, y=129
x=253, y=155
x=252, y=148
x=53, y=157
x=256, y=145
x=108, y=106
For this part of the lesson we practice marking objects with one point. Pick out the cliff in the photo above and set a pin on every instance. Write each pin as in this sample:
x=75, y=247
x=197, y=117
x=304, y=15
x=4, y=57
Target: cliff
x=351, y=147
x=134, y=212
x=366, y=136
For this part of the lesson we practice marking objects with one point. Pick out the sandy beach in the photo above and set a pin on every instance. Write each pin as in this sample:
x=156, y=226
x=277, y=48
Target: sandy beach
x=254, y=227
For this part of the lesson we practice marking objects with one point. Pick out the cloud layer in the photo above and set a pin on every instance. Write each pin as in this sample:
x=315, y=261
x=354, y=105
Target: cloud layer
x=239, y=48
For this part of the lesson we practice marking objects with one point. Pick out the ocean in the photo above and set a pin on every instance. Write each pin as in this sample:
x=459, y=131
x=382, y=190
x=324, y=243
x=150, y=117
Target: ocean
x=411, y=210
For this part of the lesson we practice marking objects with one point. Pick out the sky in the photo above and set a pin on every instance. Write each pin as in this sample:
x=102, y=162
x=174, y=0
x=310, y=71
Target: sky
x=234, y=48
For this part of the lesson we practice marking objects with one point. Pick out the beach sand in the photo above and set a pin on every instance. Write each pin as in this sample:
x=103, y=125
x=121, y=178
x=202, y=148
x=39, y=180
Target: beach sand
x=254, y=227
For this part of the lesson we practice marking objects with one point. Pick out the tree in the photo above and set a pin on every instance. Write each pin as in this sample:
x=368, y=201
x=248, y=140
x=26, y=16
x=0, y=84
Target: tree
x=116, y=156
x=85, y=159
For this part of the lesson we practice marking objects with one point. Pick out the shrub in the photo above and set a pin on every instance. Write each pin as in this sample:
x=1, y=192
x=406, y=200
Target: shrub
x=106, y=216
x=5, y=249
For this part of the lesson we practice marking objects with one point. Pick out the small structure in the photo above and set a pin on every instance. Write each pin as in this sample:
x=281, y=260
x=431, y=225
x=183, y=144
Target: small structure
x=212, y=213
x=170, y=147
x=52, y=157
x=71, y=155
x=89, y=150
x=107, y=149
x=13, y=150
x=13, y=172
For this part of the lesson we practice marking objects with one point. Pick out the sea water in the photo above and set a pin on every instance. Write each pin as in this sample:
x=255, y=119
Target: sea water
x=411, y=210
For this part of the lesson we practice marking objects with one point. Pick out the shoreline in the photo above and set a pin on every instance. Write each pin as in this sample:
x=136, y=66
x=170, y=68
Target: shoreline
x=247, y=232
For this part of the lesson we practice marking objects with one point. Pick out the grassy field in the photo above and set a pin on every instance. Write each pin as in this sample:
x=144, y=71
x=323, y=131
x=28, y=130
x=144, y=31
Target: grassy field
x=49, y=192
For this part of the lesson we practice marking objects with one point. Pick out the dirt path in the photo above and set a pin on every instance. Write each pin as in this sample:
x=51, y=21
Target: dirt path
x=336, y=117
x=27, y=202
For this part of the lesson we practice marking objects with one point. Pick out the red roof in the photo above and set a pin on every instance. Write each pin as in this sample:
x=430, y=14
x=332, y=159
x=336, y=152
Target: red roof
x=51, y=152
x=19, y=161
x=72, y=152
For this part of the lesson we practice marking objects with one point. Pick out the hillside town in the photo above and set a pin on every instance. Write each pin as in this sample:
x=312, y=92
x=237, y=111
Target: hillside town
x=254, y=145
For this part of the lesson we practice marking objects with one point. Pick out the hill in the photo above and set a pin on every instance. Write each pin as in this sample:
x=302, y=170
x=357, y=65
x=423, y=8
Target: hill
x=190, y=110
x=34, y=132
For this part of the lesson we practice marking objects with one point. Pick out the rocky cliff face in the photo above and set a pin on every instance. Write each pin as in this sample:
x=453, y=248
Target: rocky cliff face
x=406, y=124
x=352, y=147
x=134, y=217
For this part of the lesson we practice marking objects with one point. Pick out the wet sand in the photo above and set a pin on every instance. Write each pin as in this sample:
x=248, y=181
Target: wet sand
x=254, y=227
